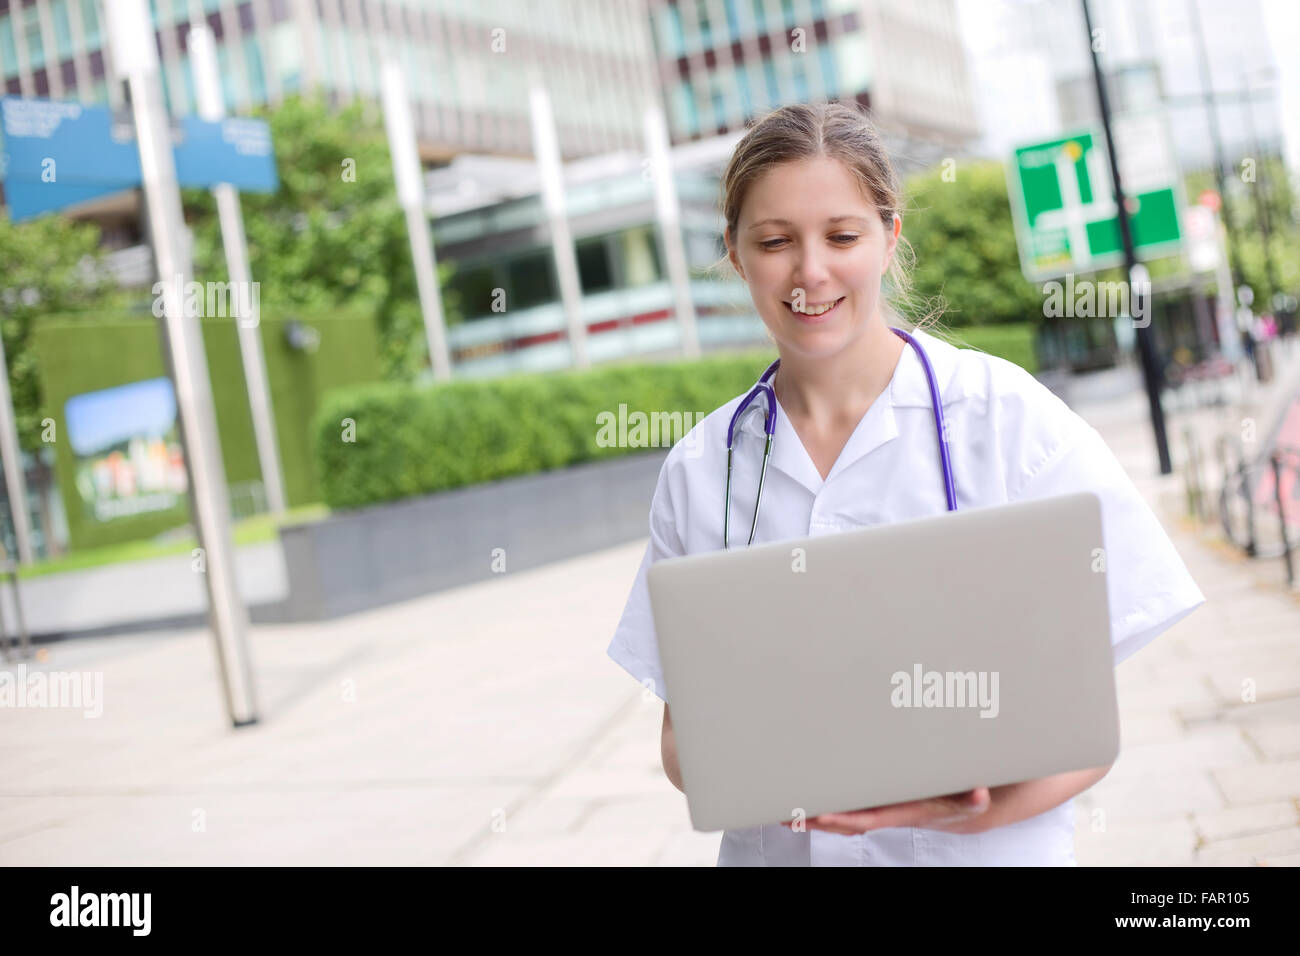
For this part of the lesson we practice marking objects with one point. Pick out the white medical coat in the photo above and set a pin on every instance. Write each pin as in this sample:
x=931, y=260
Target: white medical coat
x=1011, y=439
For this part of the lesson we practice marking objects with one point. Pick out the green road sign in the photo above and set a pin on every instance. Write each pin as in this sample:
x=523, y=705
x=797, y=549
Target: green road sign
x=1064, y=209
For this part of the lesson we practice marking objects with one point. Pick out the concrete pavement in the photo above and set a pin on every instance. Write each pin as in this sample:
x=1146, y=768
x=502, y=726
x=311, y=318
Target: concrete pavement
x=486, y=726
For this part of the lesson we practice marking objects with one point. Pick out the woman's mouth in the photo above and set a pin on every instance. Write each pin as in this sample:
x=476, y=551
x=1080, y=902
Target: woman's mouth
x=814, y=316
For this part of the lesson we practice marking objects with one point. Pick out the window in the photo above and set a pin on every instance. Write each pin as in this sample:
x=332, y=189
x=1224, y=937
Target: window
x=531, y=282
x=639, y=258
x=8, y=52
x=670, y=32
x=800, y=71
x=256, y=73
x=827, y=62
x=473, y=291
x=90, y=24
x=593, y=265
x=62, y=30
x=773, y=90
x=35, y=48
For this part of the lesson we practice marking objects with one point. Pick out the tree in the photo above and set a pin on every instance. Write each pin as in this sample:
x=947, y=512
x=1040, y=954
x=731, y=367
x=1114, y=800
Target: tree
x=958, y=221
x=1265, y=180
x=46, y=265
x=333, y=234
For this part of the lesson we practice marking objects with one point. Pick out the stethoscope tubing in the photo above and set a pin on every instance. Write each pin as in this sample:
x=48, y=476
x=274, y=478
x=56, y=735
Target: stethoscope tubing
x=769, y=426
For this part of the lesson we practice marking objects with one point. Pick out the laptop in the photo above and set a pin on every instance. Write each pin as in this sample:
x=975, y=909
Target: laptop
x=887, y=664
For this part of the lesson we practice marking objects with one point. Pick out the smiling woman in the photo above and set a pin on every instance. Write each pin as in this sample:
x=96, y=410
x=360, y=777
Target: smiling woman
x=861, y=430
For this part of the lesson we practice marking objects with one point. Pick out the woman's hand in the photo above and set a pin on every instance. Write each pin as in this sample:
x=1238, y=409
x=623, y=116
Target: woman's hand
x=954, y=813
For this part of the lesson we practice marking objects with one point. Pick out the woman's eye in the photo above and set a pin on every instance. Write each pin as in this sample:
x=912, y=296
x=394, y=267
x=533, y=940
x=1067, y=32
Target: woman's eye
x=843, y=239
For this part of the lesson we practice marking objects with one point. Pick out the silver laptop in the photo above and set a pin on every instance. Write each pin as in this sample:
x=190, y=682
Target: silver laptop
x=890, y=663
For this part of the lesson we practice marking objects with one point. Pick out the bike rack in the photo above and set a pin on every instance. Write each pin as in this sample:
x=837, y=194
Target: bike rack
x=1240, y=481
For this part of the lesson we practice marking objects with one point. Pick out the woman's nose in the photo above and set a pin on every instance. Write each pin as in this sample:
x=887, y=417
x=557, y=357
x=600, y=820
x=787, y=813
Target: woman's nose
x=810, y=271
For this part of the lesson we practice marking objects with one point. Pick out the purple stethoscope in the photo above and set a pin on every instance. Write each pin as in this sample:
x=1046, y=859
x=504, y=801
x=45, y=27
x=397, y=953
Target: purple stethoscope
x=770, y=427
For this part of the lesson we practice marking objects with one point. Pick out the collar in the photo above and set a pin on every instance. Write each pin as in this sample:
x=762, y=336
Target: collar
x=909, y=387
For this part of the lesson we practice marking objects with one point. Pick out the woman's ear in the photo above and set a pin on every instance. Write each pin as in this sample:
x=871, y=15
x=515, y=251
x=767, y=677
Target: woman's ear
x=731, y=253
x=892, y=242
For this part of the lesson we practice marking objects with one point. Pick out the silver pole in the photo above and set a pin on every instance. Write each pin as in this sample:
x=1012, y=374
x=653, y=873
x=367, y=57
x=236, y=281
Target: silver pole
x=15, y=485
x=668, y=212
x=207, y=88
x=410, y=193
x=547, y=150
x=131, y=38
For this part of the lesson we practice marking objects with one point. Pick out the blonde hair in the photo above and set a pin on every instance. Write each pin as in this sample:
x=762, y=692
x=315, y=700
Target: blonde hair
x=802, y=131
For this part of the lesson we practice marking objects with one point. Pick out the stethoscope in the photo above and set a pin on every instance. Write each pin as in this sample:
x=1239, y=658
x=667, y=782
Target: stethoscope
x=762, y=387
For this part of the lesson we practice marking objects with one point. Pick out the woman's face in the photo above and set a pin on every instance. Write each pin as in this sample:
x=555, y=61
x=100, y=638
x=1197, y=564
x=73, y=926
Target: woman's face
x=807, y=238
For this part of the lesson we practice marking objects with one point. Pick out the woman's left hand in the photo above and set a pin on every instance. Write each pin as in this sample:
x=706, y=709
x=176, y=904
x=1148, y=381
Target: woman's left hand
x=955, y=813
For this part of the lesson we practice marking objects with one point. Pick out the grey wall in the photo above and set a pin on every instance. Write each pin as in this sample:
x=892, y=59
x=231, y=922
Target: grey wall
x=376, y=555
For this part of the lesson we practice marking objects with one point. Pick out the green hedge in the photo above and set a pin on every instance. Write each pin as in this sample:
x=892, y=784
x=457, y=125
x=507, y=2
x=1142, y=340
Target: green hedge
x=383, y=442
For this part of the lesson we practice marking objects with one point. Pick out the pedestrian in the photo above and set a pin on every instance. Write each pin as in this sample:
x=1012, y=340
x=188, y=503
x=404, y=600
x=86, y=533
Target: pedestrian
x=812, y=209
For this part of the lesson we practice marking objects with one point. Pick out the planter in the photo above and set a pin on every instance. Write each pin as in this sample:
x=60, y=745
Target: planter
x=376, y=555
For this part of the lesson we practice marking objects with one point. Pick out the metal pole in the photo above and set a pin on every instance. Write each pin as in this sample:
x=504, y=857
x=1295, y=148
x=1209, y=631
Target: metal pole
x=1216, y=141
x=668, y=212
x=207, y=87
x=15, y=483
x=410, y=194
x=1247, y=492
x=547, y=150
x=132, y=42
x=1136, y=272
x=1259, y=197
x=1276, y=460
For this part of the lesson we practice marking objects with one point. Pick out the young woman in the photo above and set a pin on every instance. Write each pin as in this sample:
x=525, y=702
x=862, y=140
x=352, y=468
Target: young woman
x=811, y=205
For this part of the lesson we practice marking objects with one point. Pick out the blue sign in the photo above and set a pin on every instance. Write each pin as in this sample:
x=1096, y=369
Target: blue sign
x=27, y=200
x=236, y=150
x=52, y=142
x=57, y=154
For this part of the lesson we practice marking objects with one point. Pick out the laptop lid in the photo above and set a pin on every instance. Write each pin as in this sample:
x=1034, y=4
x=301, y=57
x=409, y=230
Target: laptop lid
x=891, y=663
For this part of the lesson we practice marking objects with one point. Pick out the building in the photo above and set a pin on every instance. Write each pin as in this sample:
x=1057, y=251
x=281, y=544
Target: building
x=504, y=286
x=724, y=61
x=715, y=64
x=1033, y=72
x=466, y=63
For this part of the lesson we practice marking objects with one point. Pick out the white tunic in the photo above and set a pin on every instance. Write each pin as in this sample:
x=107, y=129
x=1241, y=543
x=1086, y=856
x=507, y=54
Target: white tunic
x=1011, y=439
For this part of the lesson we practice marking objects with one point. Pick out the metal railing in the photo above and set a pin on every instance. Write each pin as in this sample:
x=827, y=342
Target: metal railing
x=1258, y=505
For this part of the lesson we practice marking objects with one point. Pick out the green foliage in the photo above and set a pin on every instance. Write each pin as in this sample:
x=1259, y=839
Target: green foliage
x=46, y=264
x=1015, y=343
x=410, y=440
x=965, y=246
x=333, y=234
x=1267, y=188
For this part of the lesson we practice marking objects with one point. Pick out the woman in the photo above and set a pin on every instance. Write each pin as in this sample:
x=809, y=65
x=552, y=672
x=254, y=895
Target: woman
x=811, y=205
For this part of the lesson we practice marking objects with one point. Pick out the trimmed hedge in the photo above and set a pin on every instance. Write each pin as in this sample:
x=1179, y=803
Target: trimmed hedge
x=388, y=441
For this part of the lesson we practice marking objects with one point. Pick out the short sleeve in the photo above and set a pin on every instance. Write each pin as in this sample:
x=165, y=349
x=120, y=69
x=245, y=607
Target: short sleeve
x=635, y=647
x=1148, y=586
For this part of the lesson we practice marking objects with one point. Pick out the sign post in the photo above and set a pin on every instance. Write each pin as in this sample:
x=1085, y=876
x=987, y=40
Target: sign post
x=207, y=85
x=131, y=35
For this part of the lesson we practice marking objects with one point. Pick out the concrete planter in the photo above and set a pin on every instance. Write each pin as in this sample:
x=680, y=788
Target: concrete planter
x=380, y=554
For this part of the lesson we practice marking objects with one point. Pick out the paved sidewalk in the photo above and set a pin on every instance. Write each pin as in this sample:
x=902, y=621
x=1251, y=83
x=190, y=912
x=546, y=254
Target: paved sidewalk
x=486, y=726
